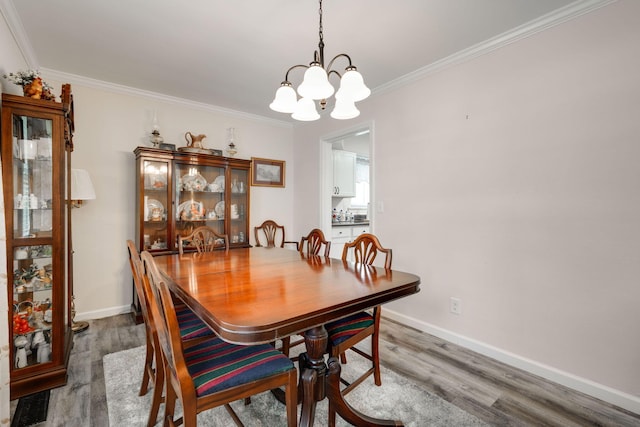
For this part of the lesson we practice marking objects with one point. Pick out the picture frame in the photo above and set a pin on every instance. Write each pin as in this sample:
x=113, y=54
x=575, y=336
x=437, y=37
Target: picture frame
x=216, y=152
x=170, y=147
x=267, y=172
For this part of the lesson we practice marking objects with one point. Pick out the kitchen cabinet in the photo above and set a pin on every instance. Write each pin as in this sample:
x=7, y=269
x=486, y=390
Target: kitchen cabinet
x=344, y=234
x=36, y=164
x=344, y=173
x=179, y=191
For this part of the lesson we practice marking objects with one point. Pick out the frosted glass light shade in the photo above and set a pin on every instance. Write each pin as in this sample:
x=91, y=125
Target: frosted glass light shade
x=285, y=100
x=352, y=86
x=315, y=84
x=306, y=110
x=345, y=109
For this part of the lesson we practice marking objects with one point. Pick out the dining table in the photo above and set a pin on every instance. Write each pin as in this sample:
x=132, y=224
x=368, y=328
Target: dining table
x=260, y=295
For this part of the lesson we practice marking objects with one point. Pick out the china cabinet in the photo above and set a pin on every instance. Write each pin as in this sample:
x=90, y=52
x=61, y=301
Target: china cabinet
x=36, y=156
x=344, y=173
x=178, y=191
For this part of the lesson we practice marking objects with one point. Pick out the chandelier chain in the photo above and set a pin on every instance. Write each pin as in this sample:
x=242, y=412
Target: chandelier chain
x=320, y=27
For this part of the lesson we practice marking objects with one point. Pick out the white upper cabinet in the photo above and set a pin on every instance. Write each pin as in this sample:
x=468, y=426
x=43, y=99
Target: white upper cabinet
x=344, y=174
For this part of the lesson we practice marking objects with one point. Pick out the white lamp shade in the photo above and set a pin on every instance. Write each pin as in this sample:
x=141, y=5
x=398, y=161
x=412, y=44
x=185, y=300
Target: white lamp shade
x=315, y=84
x=352, y=86
x=285, y=100
x=81, y=185
x=344, y=109
x=306, y=110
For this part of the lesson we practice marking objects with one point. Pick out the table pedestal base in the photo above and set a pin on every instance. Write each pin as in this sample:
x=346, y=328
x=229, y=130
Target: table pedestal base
x=318, y=382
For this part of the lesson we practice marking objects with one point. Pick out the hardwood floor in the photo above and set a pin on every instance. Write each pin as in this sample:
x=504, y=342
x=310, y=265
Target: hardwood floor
x=492, y=391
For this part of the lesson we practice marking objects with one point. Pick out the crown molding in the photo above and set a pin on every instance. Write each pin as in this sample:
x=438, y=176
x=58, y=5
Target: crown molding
x=544, y=22
x=127, y=90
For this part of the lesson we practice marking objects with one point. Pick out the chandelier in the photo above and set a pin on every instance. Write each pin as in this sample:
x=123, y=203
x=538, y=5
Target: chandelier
x=316, y=87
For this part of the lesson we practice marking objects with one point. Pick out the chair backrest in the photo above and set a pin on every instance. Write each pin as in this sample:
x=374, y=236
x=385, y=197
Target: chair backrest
x=365, y=249
x=163, y=315
x=269, y=230
x=136, y=271
x=314, y=241
x=204, y=239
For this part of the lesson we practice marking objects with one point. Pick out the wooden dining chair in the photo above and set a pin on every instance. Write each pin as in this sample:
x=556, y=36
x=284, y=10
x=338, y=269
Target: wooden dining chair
x=269, y=234
x=214, y=372
x=192, y=331
x=203, y=239
x=312, y=243
x=345, y=333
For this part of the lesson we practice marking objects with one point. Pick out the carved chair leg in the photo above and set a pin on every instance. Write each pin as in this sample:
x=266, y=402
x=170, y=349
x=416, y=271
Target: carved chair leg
x=158, y=388
x=375, y=353
x=148, y=368
x=169, y=405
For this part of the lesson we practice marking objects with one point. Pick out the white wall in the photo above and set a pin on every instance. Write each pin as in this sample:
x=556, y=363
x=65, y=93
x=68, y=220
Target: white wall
x=511, y=181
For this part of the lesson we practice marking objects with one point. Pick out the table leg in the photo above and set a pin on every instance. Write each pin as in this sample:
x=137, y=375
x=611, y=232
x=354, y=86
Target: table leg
x=317, y=382
x=337, y=402
x=313, y=372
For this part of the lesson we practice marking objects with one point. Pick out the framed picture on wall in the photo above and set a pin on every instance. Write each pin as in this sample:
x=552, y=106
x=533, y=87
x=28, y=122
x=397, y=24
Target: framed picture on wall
x=267, y=172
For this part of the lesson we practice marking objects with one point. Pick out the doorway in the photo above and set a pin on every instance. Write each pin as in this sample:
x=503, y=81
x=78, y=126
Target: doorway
x=356, y=141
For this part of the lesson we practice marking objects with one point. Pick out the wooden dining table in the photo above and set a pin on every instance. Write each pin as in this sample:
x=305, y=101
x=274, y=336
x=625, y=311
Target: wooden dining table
x=259, y=295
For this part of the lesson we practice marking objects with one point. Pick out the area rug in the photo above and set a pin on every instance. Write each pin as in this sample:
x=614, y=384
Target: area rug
x=398, y=398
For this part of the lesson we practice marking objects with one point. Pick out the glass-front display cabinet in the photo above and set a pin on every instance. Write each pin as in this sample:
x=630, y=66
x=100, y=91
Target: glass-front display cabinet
x=36, y=150
x=179, y=191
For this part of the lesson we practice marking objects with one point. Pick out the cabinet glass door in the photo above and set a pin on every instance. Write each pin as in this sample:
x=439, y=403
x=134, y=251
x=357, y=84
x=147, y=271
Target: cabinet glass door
x=238, y=207
x=32, y=252
x=199, y=198
x=156, y=205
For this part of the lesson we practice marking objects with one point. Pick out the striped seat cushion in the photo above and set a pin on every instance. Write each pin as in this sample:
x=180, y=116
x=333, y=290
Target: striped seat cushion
x=343, y=329
x=217, y=365
x=190, y=324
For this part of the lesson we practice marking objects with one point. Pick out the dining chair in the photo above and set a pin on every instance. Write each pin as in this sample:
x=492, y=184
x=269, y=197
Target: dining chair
x=203, y=239
x=312, y=243
x=345, y=333
x=214, y=372
x=270, y=232
x=192, y=331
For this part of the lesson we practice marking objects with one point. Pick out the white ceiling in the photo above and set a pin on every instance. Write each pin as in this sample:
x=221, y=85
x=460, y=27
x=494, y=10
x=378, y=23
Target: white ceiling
x=234, y=53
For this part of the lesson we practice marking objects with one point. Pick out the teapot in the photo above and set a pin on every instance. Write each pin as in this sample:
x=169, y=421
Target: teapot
x=194, y=141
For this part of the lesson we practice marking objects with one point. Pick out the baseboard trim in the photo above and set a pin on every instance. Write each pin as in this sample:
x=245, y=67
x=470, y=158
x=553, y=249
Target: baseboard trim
x=583, y=385
x=99, y=314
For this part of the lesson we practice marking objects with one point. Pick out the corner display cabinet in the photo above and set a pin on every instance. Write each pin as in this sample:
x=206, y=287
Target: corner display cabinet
x=36, y=156
x=178, y=191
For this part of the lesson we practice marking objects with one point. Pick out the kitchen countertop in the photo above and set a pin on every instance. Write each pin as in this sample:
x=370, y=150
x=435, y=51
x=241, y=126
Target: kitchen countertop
x=349, y=223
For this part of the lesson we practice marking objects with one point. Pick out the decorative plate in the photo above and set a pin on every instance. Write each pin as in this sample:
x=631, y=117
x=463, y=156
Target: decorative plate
x=219, y=181
x=155, y=210
x=217, y=185
x=154, y=204
x=220, y=210
x=190, y=211
x=193, y=182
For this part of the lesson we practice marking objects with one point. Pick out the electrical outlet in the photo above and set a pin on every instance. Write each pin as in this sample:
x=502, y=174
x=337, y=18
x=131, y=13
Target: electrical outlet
x=455, y=305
